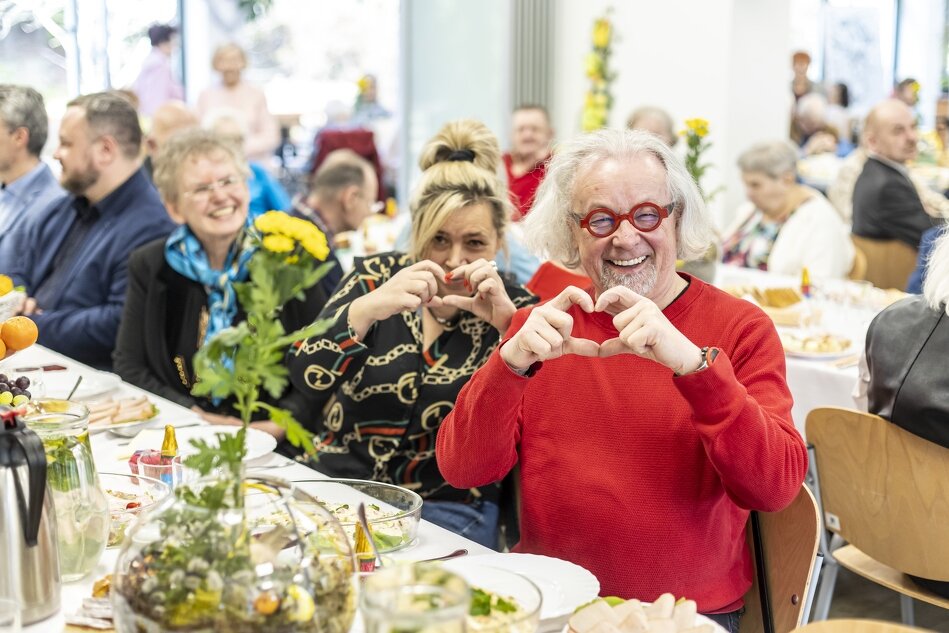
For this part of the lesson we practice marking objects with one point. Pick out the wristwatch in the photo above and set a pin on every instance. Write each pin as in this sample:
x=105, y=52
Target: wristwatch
x=708, y=355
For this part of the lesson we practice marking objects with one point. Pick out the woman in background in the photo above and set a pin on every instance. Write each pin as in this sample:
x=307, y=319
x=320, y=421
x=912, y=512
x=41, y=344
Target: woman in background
x=262, y=134
x=785, y=226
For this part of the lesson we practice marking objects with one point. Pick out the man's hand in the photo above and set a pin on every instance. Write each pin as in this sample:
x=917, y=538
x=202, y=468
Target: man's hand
x=28, y=307
x=547, y=333
x=489, y=300
x=645, y=331
x=406, y=290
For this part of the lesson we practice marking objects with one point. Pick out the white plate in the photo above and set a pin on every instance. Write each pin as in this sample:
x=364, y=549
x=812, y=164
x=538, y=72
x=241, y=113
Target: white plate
x=699, y=621
x=258, y=443
x=564, y=585
x=133, y=428
x=94, y=384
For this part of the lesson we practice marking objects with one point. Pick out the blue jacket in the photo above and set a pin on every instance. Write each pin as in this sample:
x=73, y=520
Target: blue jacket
x=918, y=276
x=21, y=202
x=83, y=321
x=266, y=193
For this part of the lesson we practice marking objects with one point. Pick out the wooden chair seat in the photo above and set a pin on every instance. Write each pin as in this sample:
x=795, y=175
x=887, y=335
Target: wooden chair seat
x=856, y=626
x=859, y=563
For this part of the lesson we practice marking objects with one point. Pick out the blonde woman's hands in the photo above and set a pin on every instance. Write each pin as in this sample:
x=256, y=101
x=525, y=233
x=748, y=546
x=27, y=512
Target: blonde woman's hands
x=406, y=290
x=489, y=300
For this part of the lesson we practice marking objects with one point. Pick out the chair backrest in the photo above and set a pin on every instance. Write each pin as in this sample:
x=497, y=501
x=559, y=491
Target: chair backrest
x=362, y=142
x=788, y=541
x=883, y=489
x=858, y=272
x=889, y=262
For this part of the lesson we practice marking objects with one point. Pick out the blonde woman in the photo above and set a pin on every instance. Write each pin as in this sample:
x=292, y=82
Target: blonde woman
x=261, y=132
x=411, y=328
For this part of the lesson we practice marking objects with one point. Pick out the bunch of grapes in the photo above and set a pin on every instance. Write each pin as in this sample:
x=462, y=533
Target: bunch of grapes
x=14, y=390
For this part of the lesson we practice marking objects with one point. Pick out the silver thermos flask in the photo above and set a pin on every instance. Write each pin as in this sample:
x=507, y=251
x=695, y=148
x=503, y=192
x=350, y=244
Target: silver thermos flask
x=29, y=558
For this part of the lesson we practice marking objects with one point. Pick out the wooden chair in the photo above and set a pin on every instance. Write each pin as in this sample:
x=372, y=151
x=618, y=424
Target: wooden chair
x=787, y=543
x=858, y=272
x=856, y=626
x=884, y=491
x=889, y=262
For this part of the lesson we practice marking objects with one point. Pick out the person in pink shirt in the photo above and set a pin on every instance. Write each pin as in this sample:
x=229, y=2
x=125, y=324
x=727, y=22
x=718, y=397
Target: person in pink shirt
x=156, y=83
x=262, y=132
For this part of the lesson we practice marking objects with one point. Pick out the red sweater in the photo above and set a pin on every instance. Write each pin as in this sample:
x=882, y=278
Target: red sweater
x=644, y=478
x=523, y=188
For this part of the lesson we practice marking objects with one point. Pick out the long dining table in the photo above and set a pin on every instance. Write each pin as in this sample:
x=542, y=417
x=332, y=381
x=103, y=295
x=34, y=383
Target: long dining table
x=108, y=452
x=819, y=381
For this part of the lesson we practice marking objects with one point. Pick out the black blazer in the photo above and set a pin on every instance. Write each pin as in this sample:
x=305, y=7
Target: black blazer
x=158, y=335
x=887, y=207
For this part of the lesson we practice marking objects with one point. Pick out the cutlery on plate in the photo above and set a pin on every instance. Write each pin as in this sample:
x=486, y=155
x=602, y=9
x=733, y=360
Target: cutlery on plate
x=457, y=553
x=364, y=524
x=74, y=388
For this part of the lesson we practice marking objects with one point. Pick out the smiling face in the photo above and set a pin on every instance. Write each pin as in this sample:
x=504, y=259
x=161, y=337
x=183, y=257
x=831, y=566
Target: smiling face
x=75, y=152
x=212, y=199
x=643, y=262
x=468, y=234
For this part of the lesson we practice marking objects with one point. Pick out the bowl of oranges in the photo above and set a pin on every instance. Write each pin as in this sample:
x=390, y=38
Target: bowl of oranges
x=17, y=333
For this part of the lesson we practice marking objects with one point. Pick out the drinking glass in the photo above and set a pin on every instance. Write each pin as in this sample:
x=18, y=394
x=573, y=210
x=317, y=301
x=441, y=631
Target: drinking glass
x=423, y=598
x=9, y=616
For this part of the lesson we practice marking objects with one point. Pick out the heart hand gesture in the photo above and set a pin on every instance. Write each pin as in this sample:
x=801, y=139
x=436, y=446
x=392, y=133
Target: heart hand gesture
x=547, y=332
x=489, y=300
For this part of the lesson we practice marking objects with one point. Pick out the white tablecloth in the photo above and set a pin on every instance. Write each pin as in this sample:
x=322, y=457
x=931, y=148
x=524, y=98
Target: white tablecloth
x=432, y=540
x=813, y=383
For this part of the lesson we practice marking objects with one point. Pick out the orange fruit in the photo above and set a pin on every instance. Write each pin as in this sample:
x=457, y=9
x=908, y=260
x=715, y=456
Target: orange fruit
x=3, y=349
x=18, y=333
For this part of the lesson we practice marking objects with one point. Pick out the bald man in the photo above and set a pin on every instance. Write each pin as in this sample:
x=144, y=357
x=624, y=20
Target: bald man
x=169, y=118
x=885, y=203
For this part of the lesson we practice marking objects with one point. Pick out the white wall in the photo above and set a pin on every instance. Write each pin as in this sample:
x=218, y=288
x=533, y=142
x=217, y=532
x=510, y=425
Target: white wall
x=723, y=60
x=922, y=27
x=456, y=63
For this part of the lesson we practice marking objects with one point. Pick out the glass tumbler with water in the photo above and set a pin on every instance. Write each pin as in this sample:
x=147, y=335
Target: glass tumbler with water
x=422, y=598
x=82, y=510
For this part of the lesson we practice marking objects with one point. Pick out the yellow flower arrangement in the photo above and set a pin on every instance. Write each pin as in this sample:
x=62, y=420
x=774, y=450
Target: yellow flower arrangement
x=598, y=99
x=246, y=359
x=695, y=133
x=282, y=233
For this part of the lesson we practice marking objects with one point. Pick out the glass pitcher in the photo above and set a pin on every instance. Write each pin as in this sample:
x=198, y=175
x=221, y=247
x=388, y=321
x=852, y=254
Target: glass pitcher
x=420, y=598
x=82, y=510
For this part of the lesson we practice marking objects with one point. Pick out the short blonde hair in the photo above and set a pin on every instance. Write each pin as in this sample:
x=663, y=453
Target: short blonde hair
x=224, y=49
x=194, y=143
x=549, y=227
x=936, y=286
x=459, y=168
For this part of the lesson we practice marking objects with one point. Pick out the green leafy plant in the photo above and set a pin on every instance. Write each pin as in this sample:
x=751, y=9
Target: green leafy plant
x=247, y=359
x=697, y=143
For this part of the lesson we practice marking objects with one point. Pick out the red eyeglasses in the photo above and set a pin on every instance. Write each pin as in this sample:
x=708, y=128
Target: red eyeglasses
x=646, y=216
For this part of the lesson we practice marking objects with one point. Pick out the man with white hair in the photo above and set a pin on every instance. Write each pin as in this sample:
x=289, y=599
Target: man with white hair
x=677, y=422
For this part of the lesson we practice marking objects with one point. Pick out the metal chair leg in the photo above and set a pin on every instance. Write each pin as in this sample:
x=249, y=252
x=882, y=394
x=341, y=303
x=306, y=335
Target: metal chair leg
x=825, y=593
x=906, y=610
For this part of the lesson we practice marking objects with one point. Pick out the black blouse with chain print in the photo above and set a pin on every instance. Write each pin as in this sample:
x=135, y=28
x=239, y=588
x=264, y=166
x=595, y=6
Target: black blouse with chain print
x=383, y=399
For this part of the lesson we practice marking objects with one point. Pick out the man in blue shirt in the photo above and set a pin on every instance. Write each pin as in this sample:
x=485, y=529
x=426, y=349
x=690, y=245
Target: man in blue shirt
x=27, y=186
x=73, y=261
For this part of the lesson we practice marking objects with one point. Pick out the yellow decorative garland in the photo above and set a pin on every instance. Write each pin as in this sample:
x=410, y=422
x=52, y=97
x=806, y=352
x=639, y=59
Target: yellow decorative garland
x=599, y=99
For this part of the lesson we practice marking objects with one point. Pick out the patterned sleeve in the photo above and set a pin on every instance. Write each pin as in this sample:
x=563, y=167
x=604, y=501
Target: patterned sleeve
x=320, y=364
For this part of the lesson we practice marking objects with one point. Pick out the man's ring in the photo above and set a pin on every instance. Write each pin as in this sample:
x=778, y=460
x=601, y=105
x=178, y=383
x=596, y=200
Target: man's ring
x=494, y=265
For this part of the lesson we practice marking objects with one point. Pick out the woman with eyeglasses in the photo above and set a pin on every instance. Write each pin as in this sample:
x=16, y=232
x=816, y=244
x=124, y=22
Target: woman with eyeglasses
x=785, y=226
x=181, y=289
x=411, y=328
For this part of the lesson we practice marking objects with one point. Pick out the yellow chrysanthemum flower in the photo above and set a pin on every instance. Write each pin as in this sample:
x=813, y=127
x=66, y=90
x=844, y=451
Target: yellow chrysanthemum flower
x=601, y=33
x=270, y=222
x=278, y=243
x=317, y=247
